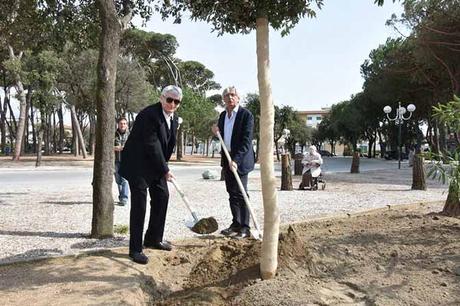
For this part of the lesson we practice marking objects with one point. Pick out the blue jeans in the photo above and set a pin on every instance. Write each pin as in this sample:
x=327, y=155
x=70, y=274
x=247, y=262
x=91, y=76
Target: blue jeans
x=123, y=187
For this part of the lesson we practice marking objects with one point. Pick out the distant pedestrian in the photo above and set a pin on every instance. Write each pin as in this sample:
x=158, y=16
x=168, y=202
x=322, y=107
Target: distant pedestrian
x=121, y=135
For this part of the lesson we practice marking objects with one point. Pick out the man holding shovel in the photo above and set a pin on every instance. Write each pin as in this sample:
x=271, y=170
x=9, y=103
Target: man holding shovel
x=236, y=125
x=144, y=164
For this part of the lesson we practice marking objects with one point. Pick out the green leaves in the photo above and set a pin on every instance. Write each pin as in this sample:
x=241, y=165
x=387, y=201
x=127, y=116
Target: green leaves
x=240, y=16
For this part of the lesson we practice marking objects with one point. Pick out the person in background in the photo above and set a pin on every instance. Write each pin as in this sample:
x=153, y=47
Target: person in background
x=121, y=135
x=312, y=162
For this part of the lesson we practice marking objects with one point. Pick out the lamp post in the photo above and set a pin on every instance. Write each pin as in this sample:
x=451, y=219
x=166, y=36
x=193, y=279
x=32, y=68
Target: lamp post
x=399, y=119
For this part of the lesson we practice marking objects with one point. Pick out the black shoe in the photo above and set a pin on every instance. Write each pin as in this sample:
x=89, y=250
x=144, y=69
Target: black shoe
x=139, y=257
x=163, y=245
x=231, y=231
x=243, y=234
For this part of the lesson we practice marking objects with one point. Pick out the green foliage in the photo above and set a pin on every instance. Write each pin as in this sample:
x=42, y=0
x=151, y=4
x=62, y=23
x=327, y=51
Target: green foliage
x=240, y=16
x=133, y=92
x=252, y=103
x=444, y=167
x=198, y=114
x=449, y=113
x=196, y=76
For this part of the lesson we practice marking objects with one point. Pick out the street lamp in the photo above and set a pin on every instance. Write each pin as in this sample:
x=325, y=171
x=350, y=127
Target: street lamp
x=399, y=119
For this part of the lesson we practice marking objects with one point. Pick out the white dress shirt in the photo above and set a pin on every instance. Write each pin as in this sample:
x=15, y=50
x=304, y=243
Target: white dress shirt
x=168, y=118
x=228, y=126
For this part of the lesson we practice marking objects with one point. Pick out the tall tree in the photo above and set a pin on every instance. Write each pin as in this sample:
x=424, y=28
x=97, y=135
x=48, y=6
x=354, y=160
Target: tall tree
x=242, y=16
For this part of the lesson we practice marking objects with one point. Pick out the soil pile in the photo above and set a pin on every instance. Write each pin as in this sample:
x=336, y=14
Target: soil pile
x=205, y=226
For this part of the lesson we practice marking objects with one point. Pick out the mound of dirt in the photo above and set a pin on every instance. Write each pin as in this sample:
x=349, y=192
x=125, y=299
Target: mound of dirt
x=237, y=261
x=205, y=226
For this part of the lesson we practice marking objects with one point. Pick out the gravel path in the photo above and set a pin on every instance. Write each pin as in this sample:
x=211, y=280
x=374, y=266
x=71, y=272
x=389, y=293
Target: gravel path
x=37, y=221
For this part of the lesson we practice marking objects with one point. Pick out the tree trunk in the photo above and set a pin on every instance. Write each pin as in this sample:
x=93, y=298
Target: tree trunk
x=92, y=134
x=61, y=129
x=39, y=145
x=257, y=148
x=269, y=253
x=355, y=163
x=286, y=173
x=179, y=144
x=79, y=135
x=21, y=95
x=452, y=205
x=3, y=125
x=418, y=172
x=102, y=220
x=32, y=123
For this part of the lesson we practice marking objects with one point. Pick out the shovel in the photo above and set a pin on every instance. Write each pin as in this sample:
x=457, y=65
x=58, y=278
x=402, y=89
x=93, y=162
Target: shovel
x=200, y=226
x=255, y=233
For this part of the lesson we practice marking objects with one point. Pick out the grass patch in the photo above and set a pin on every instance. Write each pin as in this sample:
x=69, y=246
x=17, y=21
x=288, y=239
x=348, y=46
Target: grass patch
x=120, y=229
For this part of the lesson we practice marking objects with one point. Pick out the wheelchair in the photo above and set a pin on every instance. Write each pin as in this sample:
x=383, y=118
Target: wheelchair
x=318, y=182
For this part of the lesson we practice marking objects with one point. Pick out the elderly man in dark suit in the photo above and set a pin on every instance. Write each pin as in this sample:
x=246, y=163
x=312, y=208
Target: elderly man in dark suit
x=236, y=125
x=145, y=165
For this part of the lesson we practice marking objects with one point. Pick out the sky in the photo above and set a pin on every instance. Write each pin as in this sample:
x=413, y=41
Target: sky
x=316, y=66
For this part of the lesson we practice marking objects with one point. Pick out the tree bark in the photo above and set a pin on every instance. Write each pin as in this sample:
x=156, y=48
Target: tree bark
x=179, y=144
x=61, y=129
x=418, y=172
x=269, y=253
x=286, y=173
x=355, y=163
x=452, y=205
x=92, y=134
x=22, y=107
x=112, y=27
x=39, y=146
x=3, y=125
x=79, y=134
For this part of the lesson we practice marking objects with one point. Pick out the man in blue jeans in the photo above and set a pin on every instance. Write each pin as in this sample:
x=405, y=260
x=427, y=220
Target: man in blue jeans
x=121, y=135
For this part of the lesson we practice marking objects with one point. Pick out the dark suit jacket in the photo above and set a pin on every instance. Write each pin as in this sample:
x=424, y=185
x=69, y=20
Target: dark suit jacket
x=149, y=147
x=241, y=152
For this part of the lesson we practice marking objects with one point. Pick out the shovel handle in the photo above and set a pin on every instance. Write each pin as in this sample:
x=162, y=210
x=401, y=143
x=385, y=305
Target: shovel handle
x=185, y=199
x=240, y=184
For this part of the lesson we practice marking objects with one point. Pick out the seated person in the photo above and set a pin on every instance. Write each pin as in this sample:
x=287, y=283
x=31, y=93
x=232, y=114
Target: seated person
x=312, y=162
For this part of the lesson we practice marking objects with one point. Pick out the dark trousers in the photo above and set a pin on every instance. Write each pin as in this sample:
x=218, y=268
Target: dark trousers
x=159, y=196
x=240, y=211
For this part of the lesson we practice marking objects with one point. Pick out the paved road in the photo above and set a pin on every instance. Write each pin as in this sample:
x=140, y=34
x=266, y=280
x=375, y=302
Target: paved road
x=65, y=176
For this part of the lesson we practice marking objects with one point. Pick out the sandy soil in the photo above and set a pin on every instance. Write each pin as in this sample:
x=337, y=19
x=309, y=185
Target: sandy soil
x=405, y=255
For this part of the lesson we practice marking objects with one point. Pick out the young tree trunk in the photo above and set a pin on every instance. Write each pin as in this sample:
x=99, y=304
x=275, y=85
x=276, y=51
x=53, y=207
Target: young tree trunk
x=79, y=134
x=32, y=123
x=418, y=172
x=355, y=163
x=269, y=253
x=286, y=172
x=452, y=205
x=21, y=95
x=112, y=27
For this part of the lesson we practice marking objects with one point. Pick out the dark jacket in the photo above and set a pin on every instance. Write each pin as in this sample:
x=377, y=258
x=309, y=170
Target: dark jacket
x=120, y=140
x=241, y=152
x=149, y=147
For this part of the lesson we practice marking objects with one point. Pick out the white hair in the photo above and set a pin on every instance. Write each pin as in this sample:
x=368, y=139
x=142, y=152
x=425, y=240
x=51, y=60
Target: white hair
x=172, y=90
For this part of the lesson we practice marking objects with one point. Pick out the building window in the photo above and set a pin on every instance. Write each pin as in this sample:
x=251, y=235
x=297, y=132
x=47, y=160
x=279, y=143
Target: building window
x=309, y=118
x=318, y=118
